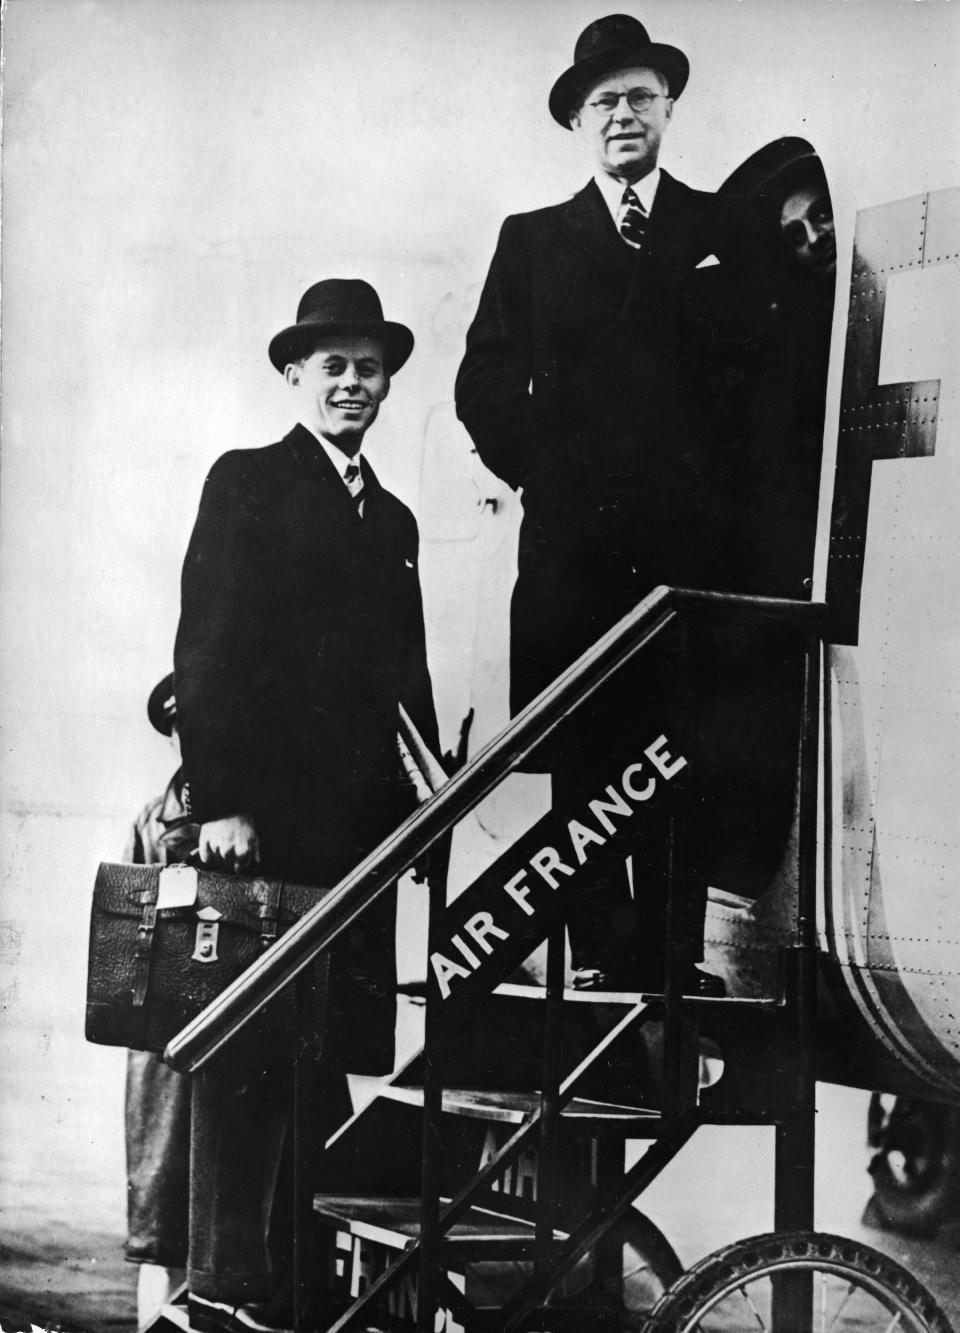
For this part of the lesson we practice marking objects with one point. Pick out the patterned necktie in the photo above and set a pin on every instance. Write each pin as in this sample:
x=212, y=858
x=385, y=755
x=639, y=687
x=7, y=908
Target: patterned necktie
x=355, y=485
x=633, y=222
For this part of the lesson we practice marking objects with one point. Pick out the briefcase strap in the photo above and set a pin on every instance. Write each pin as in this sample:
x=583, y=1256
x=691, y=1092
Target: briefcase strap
x=145, y=936
x=267, y=893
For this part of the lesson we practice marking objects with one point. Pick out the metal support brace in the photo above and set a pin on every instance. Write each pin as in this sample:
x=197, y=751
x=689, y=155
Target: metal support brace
x=590, y=1231
x=550, y=1099
x=431, y=1236
x=492, y=1170
x=305, y=1159
x=795, y=1131
x=679, y=1039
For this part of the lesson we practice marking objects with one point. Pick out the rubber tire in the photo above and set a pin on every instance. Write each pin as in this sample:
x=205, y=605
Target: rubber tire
x=688, y=1300
x=645, y=1280
x=661, y=1267
x=919, y=1201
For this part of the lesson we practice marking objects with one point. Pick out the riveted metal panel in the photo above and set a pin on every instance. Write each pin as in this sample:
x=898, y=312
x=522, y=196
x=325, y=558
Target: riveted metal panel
x=888, y=239
x=880, y=421
x=942, y=236
x=895, y=421
x=891, y=912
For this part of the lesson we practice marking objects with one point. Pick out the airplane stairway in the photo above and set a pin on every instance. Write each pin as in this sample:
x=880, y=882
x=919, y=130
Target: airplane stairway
x=487, y=1185
x=490, y=1149
x=523, y=1245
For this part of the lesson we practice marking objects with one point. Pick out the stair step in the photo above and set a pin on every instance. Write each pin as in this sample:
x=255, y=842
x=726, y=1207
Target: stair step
x=515, y=1107
x=480, y=1234
x=519, y=990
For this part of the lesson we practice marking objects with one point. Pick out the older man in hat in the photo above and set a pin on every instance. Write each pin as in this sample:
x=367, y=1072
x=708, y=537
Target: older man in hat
x=301, y=633
x=576, y=386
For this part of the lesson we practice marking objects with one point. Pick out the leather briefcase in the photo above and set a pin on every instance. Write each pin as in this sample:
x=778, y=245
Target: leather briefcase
x=166, y=940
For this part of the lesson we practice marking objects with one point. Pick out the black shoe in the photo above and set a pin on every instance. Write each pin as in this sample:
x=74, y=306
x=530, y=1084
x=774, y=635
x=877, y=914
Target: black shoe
x=695, y=982
x=589, y=978
x=596, y=979
x=208, y=1316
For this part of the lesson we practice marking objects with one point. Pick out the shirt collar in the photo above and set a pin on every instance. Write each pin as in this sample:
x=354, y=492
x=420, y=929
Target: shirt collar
x=337, y=457
x=612, y=190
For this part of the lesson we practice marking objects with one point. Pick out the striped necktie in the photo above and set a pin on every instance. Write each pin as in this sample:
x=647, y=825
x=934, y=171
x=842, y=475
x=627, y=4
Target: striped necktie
x=633, y=220
x=355, y=485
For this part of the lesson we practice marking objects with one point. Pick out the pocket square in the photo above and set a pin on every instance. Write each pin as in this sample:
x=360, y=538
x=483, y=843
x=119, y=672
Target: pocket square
x=708, y=262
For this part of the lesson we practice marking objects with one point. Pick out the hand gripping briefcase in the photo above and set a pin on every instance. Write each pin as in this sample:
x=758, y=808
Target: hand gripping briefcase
x=166, y=940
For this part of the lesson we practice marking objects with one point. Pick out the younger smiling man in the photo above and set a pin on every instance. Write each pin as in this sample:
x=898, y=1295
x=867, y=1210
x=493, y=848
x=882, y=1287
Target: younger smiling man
x=301, y=632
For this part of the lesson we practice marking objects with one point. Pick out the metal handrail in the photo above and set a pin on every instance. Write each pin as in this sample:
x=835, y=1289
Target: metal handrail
x=318, y=928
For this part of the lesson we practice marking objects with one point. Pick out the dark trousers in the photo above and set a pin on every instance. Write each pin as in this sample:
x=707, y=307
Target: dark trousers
x=241, y=1173
x=210, y=1169
x=750, y=696
x=617, y=920
x=157, y=1128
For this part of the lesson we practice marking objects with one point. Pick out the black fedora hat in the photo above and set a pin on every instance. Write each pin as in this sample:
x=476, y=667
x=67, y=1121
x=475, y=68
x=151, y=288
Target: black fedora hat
x=611, y=43
x=776, y=170
x=162, y=706
x=340, y=305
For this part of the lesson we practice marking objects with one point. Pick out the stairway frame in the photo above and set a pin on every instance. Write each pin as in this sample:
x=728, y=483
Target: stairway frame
x=793, y=1116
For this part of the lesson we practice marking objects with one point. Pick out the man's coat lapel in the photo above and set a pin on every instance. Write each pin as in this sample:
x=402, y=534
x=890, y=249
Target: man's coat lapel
x=587, y=222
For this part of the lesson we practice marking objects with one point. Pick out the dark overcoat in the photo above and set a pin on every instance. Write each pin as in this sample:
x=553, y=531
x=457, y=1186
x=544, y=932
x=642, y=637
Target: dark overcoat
x=579, y=386
x=301, y=632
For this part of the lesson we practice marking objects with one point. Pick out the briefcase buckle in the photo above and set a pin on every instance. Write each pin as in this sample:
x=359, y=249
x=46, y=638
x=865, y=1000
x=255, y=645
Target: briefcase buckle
x=208, y=928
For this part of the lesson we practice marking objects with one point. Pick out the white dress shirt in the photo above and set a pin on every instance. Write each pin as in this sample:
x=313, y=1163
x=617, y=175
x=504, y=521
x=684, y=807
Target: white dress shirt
x=338, y=458
x=612, y=190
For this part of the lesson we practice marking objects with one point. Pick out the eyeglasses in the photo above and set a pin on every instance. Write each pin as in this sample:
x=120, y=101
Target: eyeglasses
x=638, y=100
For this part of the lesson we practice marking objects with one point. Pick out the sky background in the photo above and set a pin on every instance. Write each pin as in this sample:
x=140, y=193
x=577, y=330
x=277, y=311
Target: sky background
x=175, y=173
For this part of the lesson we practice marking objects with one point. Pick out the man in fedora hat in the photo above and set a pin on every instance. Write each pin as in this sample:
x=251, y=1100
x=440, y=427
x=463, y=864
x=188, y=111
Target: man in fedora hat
x=785, y=184
x=770, y=373
x=777, y=405
x=576, y=386
x=301, y=632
